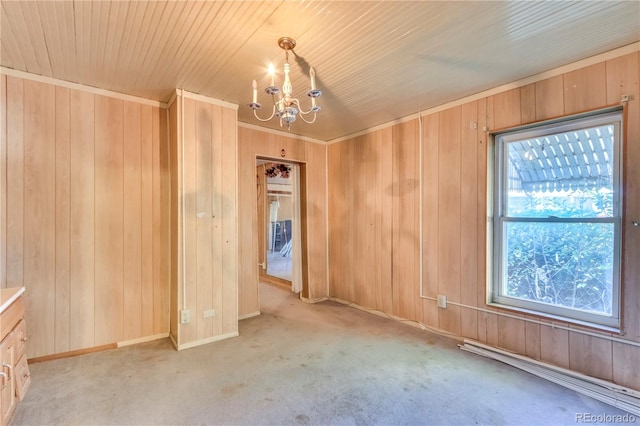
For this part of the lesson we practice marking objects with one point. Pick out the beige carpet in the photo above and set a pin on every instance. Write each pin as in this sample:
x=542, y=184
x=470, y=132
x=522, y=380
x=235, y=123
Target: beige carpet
x=298, y=364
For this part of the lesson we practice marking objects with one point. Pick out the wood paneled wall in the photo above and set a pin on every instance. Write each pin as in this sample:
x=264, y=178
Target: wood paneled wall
x=84, y=215
x=374, y=214
x=362, y=197
x=205, y=254
x=255, y=143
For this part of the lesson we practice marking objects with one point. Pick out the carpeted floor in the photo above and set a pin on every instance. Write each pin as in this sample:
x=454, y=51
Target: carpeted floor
x=323, y=364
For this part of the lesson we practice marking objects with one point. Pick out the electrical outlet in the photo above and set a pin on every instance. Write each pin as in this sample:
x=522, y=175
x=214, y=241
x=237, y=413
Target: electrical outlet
x=442, y=301
x=185, y=316
x=208, y=313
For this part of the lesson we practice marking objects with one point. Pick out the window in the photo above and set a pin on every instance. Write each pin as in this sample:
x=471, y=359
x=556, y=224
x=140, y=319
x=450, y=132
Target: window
x=557, y=219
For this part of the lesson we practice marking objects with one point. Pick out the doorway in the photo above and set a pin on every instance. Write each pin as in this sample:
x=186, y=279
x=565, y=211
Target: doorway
x=279, y=224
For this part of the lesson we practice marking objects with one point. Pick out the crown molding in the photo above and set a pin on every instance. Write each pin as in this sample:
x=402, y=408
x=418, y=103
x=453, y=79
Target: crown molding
x=81, y=87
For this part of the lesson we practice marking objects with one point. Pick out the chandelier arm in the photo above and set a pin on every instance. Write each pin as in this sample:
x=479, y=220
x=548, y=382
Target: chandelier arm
x=308, y=122
x=300, y=110
x=273, y=112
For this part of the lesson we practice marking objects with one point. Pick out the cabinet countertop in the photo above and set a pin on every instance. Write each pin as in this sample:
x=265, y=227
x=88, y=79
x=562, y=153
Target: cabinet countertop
x=8, y=296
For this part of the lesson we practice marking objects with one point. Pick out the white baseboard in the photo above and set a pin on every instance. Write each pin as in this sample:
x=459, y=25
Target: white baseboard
x=174, y=341
x=626, y=399
x=208, y=340
x=143, y=339
x=251, y=315
x=311, y=301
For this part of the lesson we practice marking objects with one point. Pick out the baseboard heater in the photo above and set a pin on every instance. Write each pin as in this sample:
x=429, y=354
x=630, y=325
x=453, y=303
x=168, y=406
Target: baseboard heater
x=618, y=396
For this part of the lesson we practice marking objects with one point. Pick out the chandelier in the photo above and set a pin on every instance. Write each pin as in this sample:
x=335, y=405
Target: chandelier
x=285, y=107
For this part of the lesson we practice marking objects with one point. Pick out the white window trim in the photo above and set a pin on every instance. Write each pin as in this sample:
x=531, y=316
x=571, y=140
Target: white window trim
x=496, y=205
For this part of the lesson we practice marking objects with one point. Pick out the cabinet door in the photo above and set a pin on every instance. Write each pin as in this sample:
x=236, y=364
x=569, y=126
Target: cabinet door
x=22, y=377
x=20, y=333
x=7, y=382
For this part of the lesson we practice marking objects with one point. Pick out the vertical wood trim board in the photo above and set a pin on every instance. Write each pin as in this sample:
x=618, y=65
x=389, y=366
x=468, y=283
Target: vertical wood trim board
x=146, y=288
x=316, y=220
x=161, y=221
x=3, y=181
x=229, y=214
x=218, y=250
x=430, y=215
x=39, y=202
x=188, y=240
x=63, y=220
x=76, y=214
x=175, y=252
x=15, y=182
x=132, y=222
x=469, y=189
x=623, y=78
x=109, y=221
x=405, y=215
x=449, y=214
x=338, y=165
x=82, y=232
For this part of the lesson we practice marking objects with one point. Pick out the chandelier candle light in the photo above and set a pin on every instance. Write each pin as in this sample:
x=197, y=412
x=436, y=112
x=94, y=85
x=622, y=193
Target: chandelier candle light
x=286, y=107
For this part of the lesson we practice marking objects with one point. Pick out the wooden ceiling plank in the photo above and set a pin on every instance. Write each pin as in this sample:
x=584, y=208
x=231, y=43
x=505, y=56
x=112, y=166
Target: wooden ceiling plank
x=199, y=51
x=518, y=17
x=66, y=35
x=82, y=32
x=163, y=30
x=100, y=24
x=257, y=17
x=111, y=60
x=10, y=52
x=367, y=51
x=14, y=16
x=93, y=29
x=187, y=22
x=152, y=16
x=52, y=36
x=357, y=20
x=89, y=26
x=37, y=37
x=7, y=53
x=131, y=38
x=182, y=24
x=404, y=35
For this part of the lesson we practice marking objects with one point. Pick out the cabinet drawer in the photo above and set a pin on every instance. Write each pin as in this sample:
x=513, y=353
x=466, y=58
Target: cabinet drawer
x=23, y=377
x=11, y=316
x=20, y=333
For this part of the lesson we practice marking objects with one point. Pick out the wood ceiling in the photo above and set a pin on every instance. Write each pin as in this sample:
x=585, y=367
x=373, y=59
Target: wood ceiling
x=376, y=61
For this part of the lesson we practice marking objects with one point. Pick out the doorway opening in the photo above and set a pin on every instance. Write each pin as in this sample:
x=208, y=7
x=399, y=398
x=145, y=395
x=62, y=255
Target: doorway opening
x=279, y=223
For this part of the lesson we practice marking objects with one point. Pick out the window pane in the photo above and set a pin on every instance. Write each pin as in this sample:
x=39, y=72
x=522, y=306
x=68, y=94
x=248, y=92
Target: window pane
x=566, y=174
x=563, y=264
